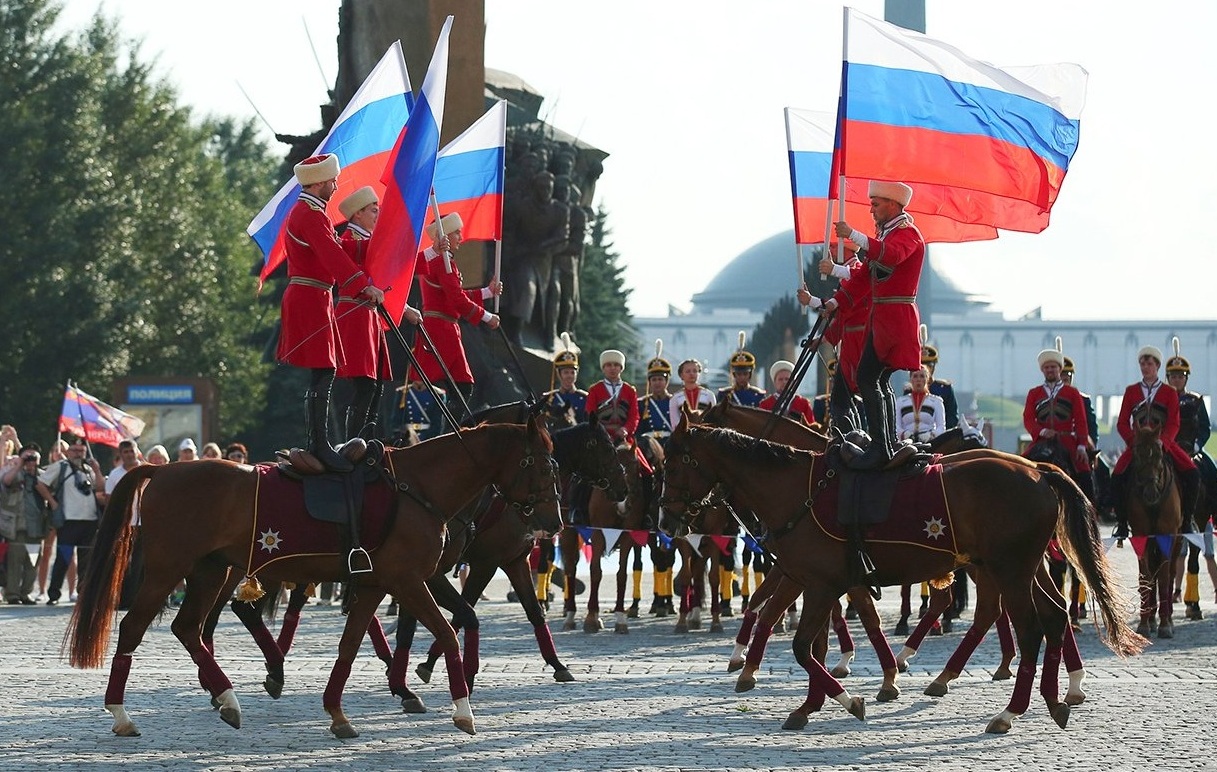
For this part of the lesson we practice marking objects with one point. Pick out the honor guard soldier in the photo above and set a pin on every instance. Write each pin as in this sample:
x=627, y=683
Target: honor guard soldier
x=653, y=415
x=920, y=414
x=741, y=391
x=1055, y=417
x=698, y=397
x=1194, y=431
x=1092, y=420
x=614, y=401
x=419, y=413
x=1149, y=389
x=779, y=376
x=567, y=397
x=851, y=308
x=938, y=387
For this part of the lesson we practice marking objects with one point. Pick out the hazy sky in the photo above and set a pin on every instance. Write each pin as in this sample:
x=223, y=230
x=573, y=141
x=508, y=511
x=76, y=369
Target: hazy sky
x=687, y=98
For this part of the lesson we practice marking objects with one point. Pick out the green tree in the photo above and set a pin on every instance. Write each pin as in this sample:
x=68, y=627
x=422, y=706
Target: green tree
x=124, y=217
x=604, y=318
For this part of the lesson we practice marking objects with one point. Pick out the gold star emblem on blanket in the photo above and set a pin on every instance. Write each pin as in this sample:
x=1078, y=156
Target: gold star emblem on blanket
x=269, y=540
x=934, y=528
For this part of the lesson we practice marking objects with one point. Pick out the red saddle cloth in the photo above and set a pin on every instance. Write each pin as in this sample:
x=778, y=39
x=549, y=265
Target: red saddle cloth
x=283, y=528
x=918, y=514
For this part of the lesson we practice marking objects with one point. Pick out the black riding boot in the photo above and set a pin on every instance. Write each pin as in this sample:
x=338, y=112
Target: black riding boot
x=362, y=414
x=1119, y=505
x=879, y=453
x=840, y=403
x=317, y=401
x=1189, y=498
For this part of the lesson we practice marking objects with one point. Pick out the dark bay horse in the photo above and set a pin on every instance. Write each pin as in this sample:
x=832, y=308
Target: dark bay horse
x=1155, y=514
x=1001, y=513
x=200, y=520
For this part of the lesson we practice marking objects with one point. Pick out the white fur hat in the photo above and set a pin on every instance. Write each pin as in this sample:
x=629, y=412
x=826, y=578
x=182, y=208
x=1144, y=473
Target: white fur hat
x=897, y=191
x=357, y=200
x=451, y=222
x=319, y=168
x=1152, y=351
x=778, y=367
x=612, y=355
x=1051, y=355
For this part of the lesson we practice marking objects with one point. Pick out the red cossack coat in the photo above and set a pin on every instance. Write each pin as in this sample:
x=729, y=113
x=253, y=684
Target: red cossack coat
x=894, y=321
x=444, y=304
x=1167, y=397
x=853, y=311
x=364, y=347
x=1071, y=431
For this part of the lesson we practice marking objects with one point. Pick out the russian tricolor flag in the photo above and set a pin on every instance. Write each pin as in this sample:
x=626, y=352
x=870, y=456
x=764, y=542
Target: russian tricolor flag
x=920, y=111
x=469, y=176
x=810, y=137
x=87, y=416
x=408, y=179
x=362, y=137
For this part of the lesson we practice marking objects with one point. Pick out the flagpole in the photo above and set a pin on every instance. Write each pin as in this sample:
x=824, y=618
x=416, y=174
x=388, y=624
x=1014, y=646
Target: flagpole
x=80, y=411
x=439, y=228
x=841, y=211
x=498, y=244
x=498, y=262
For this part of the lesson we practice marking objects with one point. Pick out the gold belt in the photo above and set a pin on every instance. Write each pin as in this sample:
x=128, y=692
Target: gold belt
x=357, y=301
x=440, y=315
x=897, y=299
x=856, y=328
x=307, y=282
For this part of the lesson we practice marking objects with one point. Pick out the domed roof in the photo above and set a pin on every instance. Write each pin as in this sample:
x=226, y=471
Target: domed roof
x=766, y=271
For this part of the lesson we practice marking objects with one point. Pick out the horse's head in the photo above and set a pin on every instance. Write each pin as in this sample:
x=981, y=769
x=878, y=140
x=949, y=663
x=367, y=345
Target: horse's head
x=686, y=484
x=1148, y=418
x=533, y=491
x=594, y=458
x=633, y=506
x=1152, y=471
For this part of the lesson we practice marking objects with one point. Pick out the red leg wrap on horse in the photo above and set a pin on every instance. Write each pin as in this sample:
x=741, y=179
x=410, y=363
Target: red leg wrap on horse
x=920, y=632
x=1073, y=657
x=472, y=660
x=456, y=675
x=963, y=652
x=1004, y=635
x=821, y=679
x=120, y=668
x=545, y=642
x=745, y=628
x=813, y=703
x=333, y=688
x=1050, y=678
x=756, y=651
x=846, y=641
x=887, y=660
x=270, y=648
x=1022, y=688
x=209, y=671
x=380, y=644
x=398, y=670
x=288, y=631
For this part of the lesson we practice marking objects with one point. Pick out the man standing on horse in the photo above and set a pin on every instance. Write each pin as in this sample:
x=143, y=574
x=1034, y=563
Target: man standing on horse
x=847, y=332
x=316, y=262
x=1055, y=417
x=893, y=258
x=1149, y=391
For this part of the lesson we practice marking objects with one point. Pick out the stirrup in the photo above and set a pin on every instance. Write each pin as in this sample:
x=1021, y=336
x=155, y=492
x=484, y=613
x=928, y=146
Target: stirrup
x=367, y=560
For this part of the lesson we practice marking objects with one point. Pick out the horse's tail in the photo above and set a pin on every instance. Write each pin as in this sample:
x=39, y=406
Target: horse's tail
x=1078, y=534
x=88, y=634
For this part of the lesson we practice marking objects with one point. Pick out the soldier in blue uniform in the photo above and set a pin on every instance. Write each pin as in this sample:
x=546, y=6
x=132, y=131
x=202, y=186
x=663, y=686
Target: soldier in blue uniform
x=418, y=413
x=741, y=391
x=654, y=422
x=567, y=397
x=1092, y=421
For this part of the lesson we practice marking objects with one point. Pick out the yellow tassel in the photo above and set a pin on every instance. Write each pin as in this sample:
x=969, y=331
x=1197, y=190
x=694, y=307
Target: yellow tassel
x=249, y=590
x=925, y=589
x=1191, y=588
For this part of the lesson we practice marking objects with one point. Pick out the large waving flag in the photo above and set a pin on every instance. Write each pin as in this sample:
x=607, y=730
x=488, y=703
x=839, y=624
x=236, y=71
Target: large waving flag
x=810, y=137
x=408, y=179
x=87, y=416
x=469, y=176
x=362, y=137
x=918, y=110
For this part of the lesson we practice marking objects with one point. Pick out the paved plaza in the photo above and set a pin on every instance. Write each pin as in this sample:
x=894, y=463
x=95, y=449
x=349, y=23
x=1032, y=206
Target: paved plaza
x=651, y=700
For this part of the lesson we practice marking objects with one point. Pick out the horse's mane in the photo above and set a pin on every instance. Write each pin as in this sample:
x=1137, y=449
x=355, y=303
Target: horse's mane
x=517, y=410
x=731, y=441
x=713, y=414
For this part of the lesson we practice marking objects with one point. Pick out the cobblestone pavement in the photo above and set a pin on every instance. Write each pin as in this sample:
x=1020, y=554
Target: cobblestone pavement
x=651, y=700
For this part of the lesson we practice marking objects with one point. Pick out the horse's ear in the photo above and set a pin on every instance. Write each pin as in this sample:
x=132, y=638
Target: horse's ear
x=594, y=418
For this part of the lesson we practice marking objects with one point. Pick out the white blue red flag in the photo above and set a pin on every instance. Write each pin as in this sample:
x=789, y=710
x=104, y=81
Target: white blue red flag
x=810, y=137
x=362, y=137
x=87, y=416
x=918, y=110
x=408, y=179
x=469, y=176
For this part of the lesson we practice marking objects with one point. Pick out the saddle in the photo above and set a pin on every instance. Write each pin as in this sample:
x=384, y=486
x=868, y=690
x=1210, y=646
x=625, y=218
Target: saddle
x=337, y=497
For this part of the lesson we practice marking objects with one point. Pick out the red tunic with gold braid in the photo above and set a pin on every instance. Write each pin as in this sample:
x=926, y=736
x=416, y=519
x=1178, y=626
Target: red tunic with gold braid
x=799, y=407
x=618, y=414
x=853, y=310
x=1168, y=398
x=445, y=302
x=365, y=350
x=316, y=261
x=894, y=258
x=1064, y=412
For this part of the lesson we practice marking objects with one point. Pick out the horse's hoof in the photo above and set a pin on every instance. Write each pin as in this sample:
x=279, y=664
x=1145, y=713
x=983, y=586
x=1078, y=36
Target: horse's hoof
x=413, y=705
x=681, y=627
x=1166, y=631
x=841, y=671
x=902, y=666
x=273, y=687
x=632, y=613
x=937, y=689
x=737, y=664
x=1143, y=629
x=464, y=723
x=1075, y=698
x=622, y=629
x=857, y=708
x=694, y=624
x=887, y=693
x=947, y=626
x=999, y=725
x=231, y=716
x=344, y=731
x=593, y=625
x=423, y=672
x=563, y=676
x=1060, y=714
x=795, y=720
x=902, y=627
x=568, y=625
x=745, y=683
x=1003, y=673
x=716, y=627
x=125, y=730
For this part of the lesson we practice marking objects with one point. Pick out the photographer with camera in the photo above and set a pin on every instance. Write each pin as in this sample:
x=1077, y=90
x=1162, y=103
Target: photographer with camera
x=74, y=485
x=23, y=521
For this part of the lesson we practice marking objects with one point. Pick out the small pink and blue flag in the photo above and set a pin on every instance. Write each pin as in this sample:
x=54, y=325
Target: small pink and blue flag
x=87, y=416
x=408, y=179
x=469, y=176
x=362, y=137
x=918, y=110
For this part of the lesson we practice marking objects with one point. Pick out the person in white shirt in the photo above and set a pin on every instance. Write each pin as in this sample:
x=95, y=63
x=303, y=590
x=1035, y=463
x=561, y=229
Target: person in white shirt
x=920, y=415
x=692, y=392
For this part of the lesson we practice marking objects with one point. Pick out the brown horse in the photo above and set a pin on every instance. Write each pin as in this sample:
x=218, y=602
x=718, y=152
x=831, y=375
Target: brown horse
x=603, y=512
x=1000, y=514
x=1155, y=515
x=199, y=520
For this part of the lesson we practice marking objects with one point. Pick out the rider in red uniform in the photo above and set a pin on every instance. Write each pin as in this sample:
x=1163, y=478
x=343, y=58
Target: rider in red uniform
x=1054, y=413
x=779, y=376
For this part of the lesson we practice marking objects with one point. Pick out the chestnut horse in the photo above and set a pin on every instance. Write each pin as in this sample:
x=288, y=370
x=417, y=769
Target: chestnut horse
x=1156, y=515
x=199, y=520
x=1002, y=512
